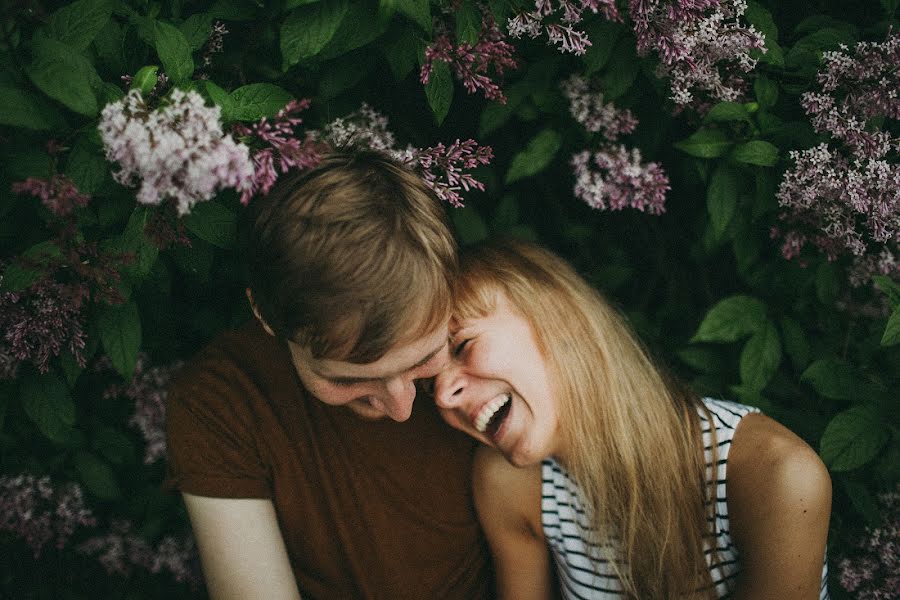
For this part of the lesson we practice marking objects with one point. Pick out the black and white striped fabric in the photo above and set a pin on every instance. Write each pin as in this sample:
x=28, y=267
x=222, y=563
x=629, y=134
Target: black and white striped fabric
x=584, y=573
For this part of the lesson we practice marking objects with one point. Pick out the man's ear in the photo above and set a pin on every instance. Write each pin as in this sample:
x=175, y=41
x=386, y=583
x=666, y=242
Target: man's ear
x=262, y=321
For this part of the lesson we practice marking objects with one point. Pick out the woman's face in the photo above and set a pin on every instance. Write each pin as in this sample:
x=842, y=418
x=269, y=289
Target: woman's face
x=497, y=387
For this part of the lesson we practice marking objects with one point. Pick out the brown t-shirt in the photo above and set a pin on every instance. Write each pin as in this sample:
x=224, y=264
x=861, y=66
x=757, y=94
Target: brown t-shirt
x=367, y=509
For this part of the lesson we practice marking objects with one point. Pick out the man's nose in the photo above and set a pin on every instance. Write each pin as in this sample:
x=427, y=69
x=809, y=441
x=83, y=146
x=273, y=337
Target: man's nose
x=448, y=387
x=399, y=395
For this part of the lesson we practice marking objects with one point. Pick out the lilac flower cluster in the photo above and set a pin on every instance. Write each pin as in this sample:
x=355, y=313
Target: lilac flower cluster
x=215, y=43
x=843, y=196
x=365, y=127
x=874, y=573
x=121, y=551
x=176, y=151
x=620, y=180
x=58, y=194
x=40, y=321
x=703, y=46
x=38, y=512
x=279, y=144
x=563, y=32
x=471, y=62
x=589, y=108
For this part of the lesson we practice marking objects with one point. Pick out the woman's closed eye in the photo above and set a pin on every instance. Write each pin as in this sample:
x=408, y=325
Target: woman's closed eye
x=460, y=345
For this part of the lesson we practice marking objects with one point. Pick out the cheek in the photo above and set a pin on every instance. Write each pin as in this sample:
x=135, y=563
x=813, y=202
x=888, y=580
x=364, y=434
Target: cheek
x=334, y=394
x=453, y=420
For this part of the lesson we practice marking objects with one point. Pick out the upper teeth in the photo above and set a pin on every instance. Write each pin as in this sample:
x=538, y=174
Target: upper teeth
x=489, y=410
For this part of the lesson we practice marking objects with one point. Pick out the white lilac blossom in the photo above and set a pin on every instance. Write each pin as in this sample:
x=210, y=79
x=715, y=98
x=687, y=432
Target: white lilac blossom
x=588, y=107
x=559, y=22
x=40, y=512
x=176, y=151
x=614, y=178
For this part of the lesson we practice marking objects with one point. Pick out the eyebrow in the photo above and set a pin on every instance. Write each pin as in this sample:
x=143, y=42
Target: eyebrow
x=424, y=360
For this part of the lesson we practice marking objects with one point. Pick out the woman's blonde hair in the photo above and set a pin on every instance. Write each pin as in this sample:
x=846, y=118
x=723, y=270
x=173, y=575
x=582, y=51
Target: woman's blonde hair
x=631, y=435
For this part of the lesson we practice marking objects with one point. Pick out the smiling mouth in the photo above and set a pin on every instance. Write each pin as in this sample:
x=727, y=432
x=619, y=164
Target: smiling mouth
x=492, y=415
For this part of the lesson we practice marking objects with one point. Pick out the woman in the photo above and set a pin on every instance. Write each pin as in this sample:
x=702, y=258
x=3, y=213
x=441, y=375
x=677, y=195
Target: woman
x=550, y=378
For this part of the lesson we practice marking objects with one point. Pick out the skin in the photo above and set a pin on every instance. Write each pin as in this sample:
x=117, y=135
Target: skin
x=240, y=543
x=779, y=492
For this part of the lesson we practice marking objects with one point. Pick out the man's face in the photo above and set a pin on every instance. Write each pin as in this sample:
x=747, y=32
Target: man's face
x=384, y=388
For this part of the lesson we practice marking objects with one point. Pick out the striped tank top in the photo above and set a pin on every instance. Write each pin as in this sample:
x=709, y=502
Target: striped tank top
x=582, y=575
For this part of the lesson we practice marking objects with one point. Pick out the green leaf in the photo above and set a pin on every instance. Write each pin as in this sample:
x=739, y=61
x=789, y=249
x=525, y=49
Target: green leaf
x=493, y=117
x=439, y=90
x=16, y=278
x=889, y=287
x=120, y=333
x=891, y=335
x=795, y=343
x=174, y=51
x=760, y=357
x=196, y=30
x=402, y=51
x=703, y=360
x=86, y=167
x=134, y=242
x=257, y=100
x=621, y=73
x=18, y=108
x=97, y=476
x=114, y=445
x=469, y=225
x=78, y=23
x=71, y=369
x=853, y=438
x=760, y=17
x=766, y=91
x=307, y=30
x=195, y=261
x=831, y=378
x=603, y=35
x=536, y=156
x=727, y=111
x=468, y=23
x=706, y=143
x=862, y=500
x=342, y=73
x=756, y=152
x=417, y=11
x=731, y=319
x=214, y=223
x=64, y=75
x=220, y=98
x=827, y=283
x=46, y=401
x=722, y=197
x=145, y=80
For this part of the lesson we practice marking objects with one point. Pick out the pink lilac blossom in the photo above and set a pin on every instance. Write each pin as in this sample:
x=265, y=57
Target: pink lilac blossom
x=615, y=178
x=39, y=322
x=588, y=107
x=121, y=552
x=58, y=194
x=177, y=151
x=857, y=87
x=39, y=512
x=562, y=33
x=472, y=63
x=279, y=143
x=873, y=570
x=704, y=48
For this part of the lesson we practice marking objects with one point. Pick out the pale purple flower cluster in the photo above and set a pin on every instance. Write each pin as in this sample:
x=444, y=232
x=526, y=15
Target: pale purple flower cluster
x=843, y=197
x=214, y=45
x=176, y=151
x=37, y=511
x=613, y=178
x=874, y=573
x=442, y=168
x=704, y=47
x=365, y=128
x=40, y=321
x=589, y=108
x=58, y=194
x=121, y=551
x=562, y=32
x=281, y=145
x=856, y=88
x=471, y=63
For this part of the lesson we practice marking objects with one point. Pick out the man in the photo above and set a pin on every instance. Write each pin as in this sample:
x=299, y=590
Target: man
x=306, y=467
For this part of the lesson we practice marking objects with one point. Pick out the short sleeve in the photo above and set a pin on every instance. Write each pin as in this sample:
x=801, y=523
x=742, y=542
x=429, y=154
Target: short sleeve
x=213, y=445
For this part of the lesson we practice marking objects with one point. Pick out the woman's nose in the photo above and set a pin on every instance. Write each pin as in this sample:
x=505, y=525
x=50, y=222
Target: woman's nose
x=448, y=386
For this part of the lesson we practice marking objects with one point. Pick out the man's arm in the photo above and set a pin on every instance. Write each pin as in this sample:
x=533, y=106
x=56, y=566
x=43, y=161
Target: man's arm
x=779, y=503
x=508, y=500
x=241, y=548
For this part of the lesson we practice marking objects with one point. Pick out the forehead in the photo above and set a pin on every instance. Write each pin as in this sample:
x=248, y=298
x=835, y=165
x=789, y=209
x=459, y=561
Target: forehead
x=398, y=359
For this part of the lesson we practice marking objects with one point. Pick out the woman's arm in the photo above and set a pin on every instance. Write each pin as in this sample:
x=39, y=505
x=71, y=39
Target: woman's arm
x=241, y=548
x=508, y=500
x=779, y=504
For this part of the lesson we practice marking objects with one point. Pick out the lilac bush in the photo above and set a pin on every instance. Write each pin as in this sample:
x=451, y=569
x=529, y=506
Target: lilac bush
x=873, y=571
x=559, y=22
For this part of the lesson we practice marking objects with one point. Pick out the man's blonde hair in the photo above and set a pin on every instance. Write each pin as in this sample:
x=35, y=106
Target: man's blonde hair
x=631, y=436
x=351, y=258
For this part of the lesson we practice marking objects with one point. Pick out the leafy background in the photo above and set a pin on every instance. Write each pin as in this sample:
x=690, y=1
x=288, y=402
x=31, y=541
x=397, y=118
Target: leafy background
x=703, y=283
